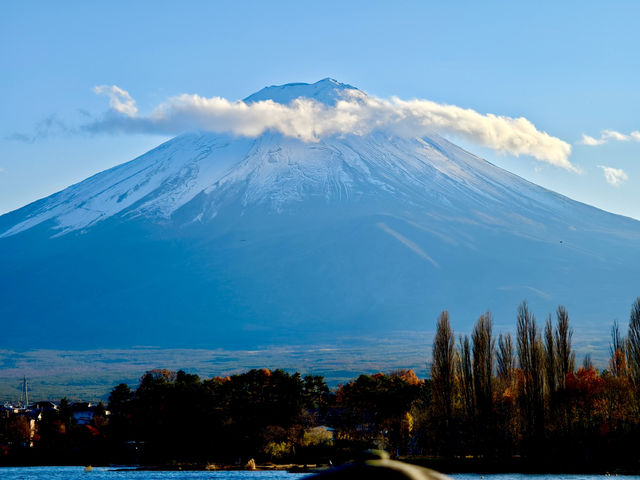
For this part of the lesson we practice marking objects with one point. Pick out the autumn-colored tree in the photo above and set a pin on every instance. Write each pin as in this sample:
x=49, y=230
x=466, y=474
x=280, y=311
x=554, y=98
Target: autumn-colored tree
x=617, y=352
x=17, y=430
x=617, y=406
x=407, y=375
x=585, y=388
x=374, y=410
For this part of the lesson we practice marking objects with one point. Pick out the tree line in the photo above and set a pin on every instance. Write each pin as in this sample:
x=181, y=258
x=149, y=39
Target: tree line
x=489, y=398
x=500, y=397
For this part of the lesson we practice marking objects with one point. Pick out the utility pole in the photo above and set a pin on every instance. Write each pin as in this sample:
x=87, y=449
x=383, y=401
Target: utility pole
x=25, y=392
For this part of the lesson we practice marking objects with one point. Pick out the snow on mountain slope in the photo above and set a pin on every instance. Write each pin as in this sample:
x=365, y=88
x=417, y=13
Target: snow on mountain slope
x=424, y=173
x=280, y=170
x=155, y=183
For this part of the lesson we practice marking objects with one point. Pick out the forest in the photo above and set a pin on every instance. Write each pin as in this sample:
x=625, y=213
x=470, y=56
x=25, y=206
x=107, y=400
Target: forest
x=492, y=402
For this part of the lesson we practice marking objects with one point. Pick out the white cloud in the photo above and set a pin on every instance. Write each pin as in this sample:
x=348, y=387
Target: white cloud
x=119, y=99
x=613, y=135
x=614, y=176
x=590, y=141
x=309, y=120
x=606, y=135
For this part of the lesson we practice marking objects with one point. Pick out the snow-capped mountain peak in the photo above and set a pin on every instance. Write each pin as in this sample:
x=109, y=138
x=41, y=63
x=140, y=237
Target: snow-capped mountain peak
x=327, y=91
x=280, y=172
x=214, y=237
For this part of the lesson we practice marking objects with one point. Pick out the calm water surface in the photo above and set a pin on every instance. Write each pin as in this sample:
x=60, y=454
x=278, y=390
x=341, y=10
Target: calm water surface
x=77, y=473
x=99, y=473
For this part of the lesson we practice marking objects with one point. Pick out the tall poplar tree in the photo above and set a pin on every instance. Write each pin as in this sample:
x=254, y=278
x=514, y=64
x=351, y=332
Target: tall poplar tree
x=633, y=349
x=566, y=358
x=465, y=377
x=483, y=361
x=530, y=358
x=550, y=363
x=443, y=370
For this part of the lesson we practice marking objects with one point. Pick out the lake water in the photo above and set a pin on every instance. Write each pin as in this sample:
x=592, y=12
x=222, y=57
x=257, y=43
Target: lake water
x=76, y=473
x=99, y=473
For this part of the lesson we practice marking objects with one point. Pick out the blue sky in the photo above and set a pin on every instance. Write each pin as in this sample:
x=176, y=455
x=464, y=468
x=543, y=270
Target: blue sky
x=570, y=68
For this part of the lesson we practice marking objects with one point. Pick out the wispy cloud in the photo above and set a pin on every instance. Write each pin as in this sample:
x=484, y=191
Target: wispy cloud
x=614, y=176
x=609, y=135
x=613, y=135
x=50, y=126
x=590, y=141
x=309, y=120
x=20, y=137
x=119, y=99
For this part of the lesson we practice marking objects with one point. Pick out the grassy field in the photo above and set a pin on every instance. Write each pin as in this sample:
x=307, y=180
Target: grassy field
x=91, y=374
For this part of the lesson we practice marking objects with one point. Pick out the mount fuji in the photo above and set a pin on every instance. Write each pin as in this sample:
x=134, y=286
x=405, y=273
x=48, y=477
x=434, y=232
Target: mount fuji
x=215, y=240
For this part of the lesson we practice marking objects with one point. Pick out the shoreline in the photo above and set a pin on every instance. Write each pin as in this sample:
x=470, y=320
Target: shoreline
x=446, y=466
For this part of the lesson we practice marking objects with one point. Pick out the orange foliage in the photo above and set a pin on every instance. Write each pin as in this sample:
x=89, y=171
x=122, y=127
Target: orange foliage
x=618, y=363
x=585, y=386
x=585, y=381
x=408, y=376
x=508, y=396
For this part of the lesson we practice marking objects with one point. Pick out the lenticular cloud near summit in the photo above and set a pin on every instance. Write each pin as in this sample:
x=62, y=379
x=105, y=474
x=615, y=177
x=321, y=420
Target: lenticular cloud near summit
x=351, y=112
